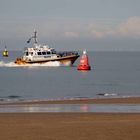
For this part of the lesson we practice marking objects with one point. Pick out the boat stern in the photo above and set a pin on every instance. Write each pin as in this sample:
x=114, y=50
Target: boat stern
x=20, y=61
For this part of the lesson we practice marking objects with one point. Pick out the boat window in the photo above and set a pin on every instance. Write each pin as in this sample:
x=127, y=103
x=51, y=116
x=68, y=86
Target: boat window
x=48, y=52
x=32, y=53
x=54, y=52
x=44, y=53
x=39, y=53
x=26, y=53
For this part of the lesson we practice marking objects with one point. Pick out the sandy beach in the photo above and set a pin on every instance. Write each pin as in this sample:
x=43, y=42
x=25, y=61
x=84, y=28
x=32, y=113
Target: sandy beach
x=69, y=126
x=72, y=126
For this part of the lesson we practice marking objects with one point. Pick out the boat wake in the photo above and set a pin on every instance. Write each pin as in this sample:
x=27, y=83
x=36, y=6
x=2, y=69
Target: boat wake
x=48, y=64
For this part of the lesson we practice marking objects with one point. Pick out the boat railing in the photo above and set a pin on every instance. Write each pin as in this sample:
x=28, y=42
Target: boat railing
x=67, y=53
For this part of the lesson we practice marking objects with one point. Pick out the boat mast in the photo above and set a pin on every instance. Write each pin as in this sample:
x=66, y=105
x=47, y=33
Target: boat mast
x=33, y=37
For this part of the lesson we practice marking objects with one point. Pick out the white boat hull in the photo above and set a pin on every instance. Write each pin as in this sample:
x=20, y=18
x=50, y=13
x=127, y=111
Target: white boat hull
x=68, y=60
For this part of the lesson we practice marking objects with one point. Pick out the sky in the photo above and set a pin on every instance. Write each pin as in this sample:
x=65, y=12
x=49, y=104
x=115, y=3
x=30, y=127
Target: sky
x=96, y=25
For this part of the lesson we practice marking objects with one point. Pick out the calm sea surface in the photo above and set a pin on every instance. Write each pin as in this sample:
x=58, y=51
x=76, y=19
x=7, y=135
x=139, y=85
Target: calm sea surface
x=113, y=74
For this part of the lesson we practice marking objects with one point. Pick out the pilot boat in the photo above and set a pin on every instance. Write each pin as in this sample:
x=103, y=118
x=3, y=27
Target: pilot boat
x=43, y=54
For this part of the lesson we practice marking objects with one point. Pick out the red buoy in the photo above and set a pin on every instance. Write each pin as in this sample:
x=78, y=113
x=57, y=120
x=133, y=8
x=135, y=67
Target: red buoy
x=84, y=63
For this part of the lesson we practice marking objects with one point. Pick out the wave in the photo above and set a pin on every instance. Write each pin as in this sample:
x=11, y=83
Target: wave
x=47, y=64
x=107, y=94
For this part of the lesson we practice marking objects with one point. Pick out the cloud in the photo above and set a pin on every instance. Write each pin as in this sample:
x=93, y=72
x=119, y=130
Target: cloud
x=61, y=29
x=71, y=34
x=130, y=28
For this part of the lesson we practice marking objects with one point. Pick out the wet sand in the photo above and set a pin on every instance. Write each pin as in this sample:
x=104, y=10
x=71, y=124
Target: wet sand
x=125, y=100
x=72, y=126
x=69, y=126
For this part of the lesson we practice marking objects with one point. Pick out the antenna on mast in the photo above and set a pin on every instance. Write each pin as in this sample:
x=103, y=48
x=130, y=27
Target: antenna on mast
x=33, y=37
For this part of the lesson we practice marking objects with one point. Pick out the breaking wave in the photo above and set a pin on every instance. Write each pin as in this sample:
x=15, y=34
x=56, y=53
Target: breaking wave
x=12, y=64
x=107, y=94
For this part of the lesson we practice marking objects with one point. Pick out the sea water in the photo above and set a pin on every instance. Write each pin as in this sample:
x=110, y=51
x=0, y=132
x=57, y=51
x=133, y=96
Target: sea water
x=113, y=74
x=113, y=108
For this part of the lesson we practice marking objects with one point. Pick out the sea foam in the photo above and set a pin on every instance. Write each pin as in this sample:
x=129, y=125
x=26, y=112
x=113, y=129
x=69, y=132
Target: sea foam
x=47, y=64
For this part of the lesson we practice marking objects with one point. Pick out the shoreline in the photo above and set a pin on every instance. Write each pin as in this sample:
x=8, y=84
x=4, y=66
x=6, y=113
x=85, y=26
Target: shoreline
x=117, y=100
x=72, y=125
